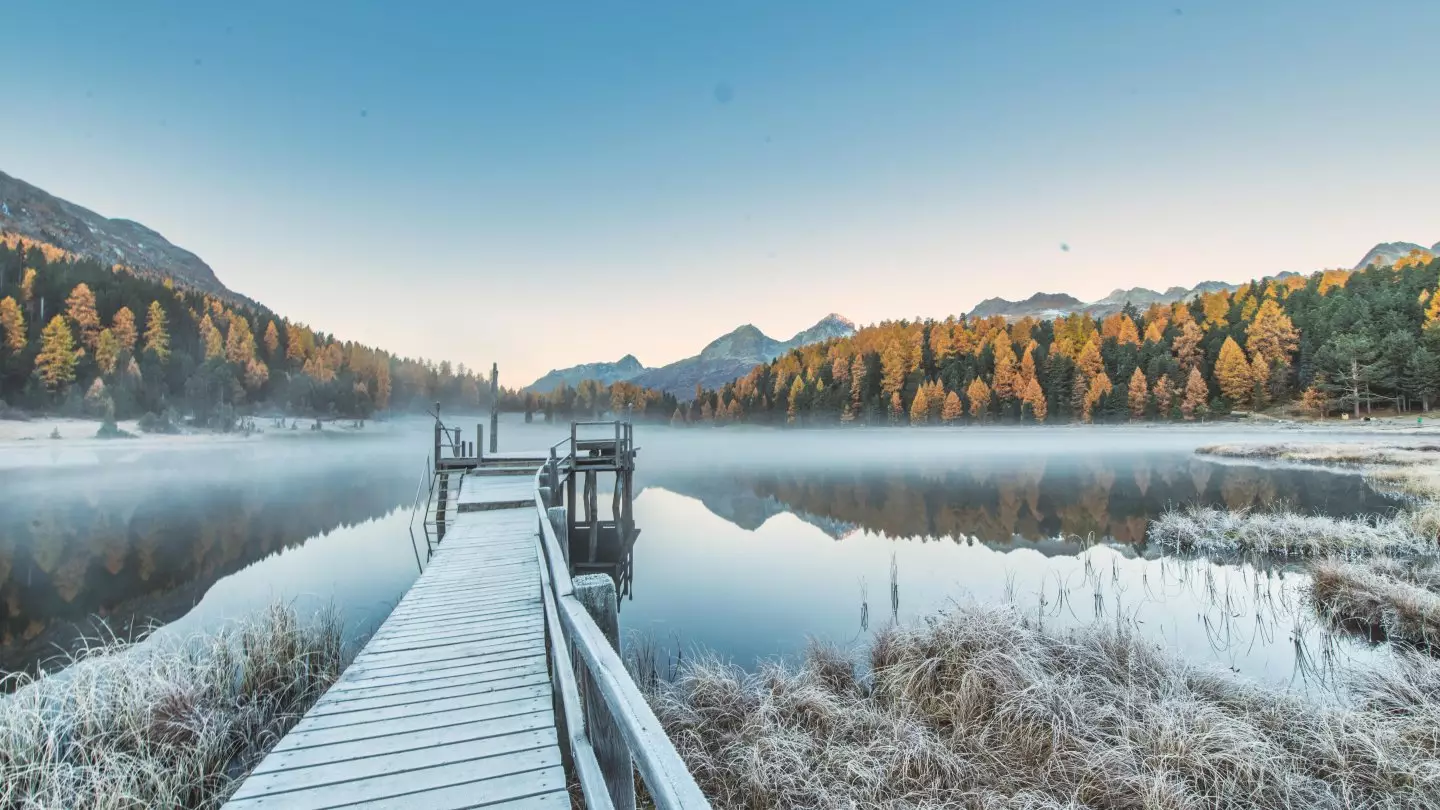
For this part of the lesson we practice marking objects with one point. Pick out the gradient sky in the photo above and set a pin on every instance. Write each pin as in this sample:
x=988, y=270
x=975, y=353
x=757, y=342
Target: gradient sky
x=544, y=184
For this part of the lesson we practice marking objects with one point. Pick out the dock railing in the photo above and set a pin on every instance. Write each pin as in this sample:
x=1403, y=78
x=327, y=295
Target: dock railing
x=608, y=730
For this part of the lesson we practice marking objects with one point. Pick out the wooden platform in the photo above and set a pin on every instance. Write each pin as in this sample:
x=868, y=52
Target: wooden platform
x=450, y=704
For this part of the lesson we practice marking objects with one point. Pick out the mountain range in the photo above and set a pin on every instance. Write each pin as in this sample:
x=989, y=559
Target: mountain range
x=722, y=360
x=39, y=216
x=1058, y=305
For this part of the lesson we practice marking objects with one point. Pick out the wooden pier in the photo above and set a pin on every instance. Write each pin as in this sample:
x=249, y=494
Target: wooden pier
x=496, y=682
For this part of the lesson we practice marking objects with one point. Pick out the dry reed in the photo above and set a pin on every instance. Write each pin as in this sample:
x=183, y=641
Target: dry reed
x=170, y=723
x=980, y=709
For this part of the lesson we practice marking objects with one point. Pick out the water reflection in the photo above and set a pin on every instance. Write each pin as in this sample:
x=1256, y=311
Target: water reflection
x=1050, y=503
x=752, y=564
x=121, y=545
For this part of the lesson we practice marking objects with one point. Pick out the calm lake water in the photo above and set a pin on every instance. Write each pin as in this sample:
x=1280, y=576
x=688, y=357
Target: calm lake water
x=750, y=542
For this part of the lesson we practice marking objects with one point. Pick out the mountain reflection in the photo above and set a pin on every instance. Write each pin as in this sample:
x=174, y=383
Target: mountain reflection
x=1025, y=501
x=142, y=541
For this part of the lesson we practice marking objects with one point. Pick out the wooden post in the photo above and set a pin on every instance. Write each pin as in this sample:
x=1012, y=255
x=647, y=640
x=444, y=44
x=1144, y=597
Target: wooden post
x=559, y=523
x=597, y=593
x=494, y=407
x=592, y=512
x=479, y=442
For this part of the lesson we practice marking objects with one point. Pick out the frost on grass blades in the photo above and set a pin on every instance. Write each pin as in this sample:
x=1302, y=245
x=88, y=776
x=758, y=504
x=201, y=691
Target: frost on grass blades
x=1219, y=532
x=172, y=723
x=980, y=708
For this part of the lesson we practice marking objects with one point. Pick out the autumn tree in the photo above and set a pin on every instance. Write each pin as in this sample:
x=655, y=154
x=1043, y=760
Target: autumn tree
x=1233, y=372
x=1164, y=392
x=979, y=396
x=1197, y=395
x=1272, y=333
x=123, y=326
x=1139, y=394
x=1099, y=388
x=272, y=341
x=1034, y=399
x=12, y=323
x=1006, y=378
x=1127, y=332
x=953, y=409
x=1259, y=378
x=1187, y=346
x=55, y=364
x=80, y=307
x=157, y=334
x=797, y=390
x=1089, y=361
x=897, y=408
x=239, y=342
x=27, y=285
x=894, y=367
x=210, y=338
x=107, y=351
x=920, y=407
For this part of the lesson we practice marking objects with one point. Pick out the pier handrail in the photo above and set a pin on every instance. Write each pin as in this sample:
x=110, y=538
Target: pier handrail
x=668, y=780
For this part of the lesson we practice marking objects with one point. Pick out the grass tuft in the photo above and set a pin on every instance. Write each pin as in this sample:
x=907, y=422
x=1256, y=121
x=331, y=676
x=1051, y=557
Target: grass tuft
x=979, y=708
x=1386, y=599
x=171, y=723
x=1204, y=530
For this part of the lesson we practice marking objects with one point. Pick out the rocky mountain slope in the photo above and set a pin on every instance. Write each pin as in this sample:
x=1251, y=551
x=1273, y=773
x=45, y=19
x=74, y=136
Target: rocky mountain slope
x=1390, y=252
x=36, y=215
x=722, y=360
x=626, y=368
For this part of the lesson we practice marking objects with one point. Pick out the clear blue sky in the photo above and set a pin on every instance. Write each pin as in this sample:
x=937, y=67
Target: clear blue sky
x=666, y=171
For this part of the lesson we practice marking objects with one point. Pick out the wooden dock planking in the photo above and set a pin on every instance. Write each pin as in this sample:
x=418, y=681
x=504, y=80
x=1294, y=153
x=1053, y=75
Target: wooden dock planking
x=450, y=704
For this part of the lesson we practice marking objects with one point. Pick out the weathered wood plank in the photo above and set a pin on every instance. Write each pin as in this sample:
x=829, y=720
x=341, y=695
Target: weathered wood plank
x=486, y=793
x=531, y=727
x=339, y=783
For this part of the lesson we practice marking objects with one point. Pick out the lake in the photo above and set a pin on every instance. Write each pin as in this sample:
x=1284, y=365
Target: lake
x=751, y=541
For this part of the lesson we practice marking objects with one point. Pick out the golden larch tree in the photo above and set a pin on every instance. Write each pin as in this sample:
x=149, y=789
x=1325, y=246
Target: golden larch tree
x=1232, y=372
x=272, y=340
x=107, y=351
x=55, y=364
x=1187, y=346
x=1155, y=332
x=1259, y=380
x=1089, y=361
x=80, y=307
x=1100, y=387
x=1272, y=333
x=27, y=285
x=894, y=366
x=920, y=407
x=1164, y=391
x=1197, y=395
x=239, y=342
x=1035, y=399
x=382, y=380
x=157, y=334
x=979, y=396
x=12, y=323
x=210, y=338
x=952, y=409
x=1139, y=394
x=1007, y=374
x=897, y=408
x=1128, y=333
x=123, y=325
x=797, y=390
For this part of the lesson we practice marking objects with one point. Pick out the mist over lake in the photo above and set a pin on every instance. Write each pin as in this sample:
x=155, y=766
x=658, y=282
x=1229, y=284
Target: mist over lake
x=751, y=540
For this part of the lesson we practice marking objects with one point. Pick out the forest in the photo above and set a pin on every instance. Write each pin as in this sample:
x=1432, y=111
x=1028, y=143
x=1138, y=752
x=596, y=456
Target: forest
x=81, y=338
x=1336, y=341
x=84, y=339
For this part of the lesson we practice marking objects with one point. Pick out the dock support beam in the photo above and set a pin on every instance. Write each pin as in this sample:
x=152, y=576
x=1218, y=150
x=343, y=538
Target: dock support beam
x=494, y=408
x=596, y=592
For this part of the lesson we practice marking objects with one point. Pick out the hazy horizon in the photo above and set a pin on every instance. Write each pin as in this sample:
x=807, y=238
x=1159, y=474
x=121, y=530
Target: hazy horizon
x=357, y=166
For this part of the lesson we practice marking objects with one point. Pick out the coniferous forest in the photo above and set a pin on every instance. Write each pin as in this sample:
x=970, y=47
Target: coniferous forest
x=1336, y=341
x=81, y=338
